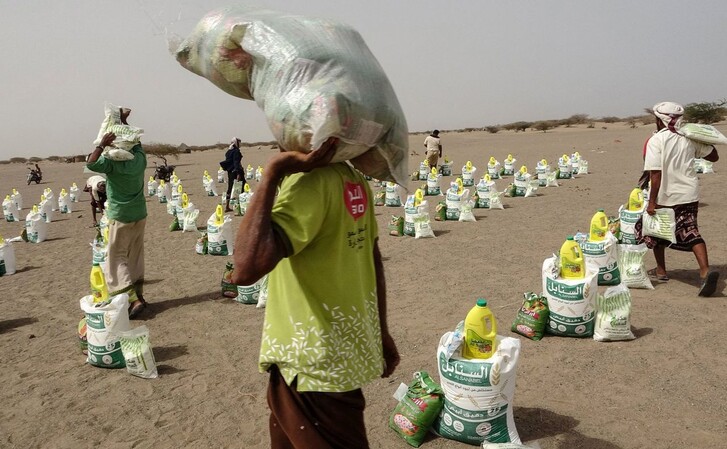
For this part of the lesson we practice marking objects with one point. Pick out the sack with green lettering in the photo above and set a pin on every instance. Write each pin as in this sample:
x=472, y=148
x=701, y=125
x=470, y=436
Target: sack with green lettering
x=416, y=411
x=604, y=254
x=468, y=175
x=422, y=225
x=532, y=317
x=433, y=184
x=219, y=236
x=10, y=210
x=703, y=133
x=393, y=195
x=410, y=211
x=572, y=302
x=454, y=199
x=484, y=188
x=507, y=446
x=201, y=246
x=446, y=168
x=250, y=294
x=423, y=171
x=138, y=356
x=496, y=199
x=478, y=394
x=627, y=224
x=661, y=225
x=104, y=321
x=633, y=269
x=613, y=315
x=465, y=210
x=7, y=258
x=126, y=136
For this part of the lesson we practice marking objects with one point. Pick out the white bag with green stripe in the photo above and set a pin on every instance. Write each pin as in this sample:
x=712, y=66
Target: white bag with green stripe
x=604, y=254
x=627, y=223
x=572, y=302
x=660, y=225
x=137, y=352
x=633, y=269
x=613, y=315
x=104, y=321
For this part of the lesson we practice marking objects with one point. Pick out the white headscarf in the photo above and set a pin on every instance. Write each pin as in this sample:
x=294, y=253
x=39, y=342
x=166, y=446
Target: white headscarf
x=235, y=142
x=670, y=114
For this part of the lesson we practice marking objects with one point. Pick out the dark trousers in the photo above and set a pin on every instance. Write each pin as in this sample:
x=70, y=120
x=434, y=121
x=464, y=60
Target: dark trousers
x=313, y=420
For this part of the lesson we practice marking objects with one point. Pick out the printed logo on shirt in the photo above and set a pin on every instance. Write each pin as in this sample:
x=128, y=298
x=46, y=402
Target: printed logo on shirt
x=354, y=195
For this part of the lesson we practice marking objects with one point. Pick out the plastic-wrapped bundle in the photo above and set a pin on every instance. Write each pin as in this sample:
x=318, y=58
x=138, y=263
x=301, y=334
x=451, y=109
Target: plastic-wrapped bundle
x=313, y=78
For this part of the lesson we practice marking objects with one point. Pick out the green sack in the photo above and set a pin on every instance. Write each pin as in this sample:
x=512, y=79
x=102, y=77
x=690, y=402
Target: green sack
x=441, y=211
x=417, y=410
x=396, y=226
x=532, y=317
x=174, y=226
x=229, y=289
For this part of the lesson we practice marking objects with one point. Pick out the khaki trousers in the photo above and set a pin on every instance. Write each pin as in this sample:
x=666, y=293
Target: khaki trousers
x=125, y=258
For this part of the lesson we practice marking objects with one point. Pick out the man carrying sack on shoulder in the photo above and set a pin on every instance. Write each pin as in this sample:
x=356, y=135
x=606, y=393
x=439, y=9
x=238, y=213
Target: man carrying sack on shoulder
x=669, y=160
x=127, y=219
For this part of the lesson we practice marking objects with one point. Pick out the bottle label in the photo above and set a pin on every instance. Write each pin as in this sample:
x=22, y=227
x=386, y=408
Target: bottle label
x=479, y=347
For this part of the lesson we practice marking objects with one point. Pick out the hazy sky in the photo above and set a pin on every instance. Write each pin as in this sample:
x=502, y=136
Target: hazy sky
x=453, y=64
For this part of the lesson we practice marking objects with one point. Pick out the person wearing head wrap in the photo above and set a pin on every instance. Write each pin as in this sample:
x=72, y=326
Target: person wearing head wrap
x=434, y=148
x=233, y=166
x=126, y=211
x=669, y=161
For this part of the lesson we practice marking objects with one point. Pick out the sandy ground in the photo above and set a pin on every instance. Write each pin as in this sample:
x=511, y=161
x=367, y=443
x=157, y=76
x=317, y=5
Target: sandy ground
x=663, y=390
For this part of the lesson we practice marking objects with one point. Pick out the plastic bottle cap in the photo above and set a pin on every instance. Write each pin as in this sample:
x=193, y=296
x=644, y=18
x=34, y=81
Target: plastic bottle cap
x=95, y=264
x=600, y=210
x=570, y=237
x=482, y=302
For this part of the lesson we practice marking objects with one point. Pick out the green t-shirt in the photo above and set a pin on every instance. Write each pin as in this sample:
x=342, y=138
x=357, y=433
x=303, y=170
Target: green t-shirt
x=321, y=318
x=124, y=186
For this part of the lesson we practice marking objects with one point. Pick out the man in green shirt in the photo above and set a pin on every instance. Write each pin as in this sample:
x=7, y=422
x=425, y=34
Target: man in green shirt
x=325, y=333
x=126, y=213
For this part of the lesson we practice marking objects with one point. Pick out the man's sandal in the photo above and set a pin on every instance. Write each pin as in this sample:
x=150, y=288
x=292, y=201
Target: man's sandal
x=709, y=284
x=136, y=308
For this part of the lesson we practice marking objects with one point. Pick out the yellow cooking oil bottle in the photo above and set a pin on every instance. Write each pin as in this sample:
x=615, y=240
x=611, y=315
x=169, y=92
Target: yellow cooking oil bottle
x=480, y=332
x=185, y=201
x=219, y=215
x=418, y=197
x=460, y=186
x=636, y=199
x=99, y=289
x=599, y=226
x=572, y=263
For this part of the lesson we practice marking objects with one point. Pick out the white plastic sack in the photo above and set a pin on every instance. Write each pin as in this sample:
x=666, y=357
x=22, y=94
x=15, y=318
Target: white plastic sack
x=454, y=200
x=393, y=195
x=572, y=302
x=138, y=356
x=46, y=210
x=633, y=269
x=35, y=226
x=468, y=176
x=151, y=187
x=244, y=199
x=64, y=203
x=73, y=192
x=661, y=225
x=496, y=200
x=703, y=133
x=627, y=224
x=18, y=198
x=126, y=136
x=484, y=188
x=219, y=236
x=423, y=225
x=164, y=193
x=220, y=176
x=433, y=184
x=465, y=211
x=250, y=294
x=478, y=394
x=7, y=258
x=582, y=167
x=613, y=315
x=104, y=321
x=10, y=210
x=604, y=255
x=189, y=218
x=313, y=79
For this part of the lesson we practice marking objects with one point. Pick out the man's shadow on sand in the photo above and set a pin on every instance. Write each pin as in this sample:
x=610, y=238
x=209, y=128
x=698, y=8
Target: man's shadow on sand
x=11, y=325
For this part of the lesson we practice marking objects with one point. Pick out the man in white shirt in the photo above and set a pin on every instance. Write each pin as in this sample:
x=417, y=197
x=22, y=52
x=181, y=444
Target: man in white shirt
x=434, y=148
x=96, y=186
x=669, y=160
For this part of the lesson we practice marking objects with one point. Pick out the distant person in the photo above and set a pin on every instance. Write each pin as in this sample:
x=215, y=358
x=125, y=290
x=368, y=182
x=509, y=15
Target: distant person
x=96, y=186
x=669, y=160
x=325, y=333
x=233, y=166
x=127, y=219
x=434, y=148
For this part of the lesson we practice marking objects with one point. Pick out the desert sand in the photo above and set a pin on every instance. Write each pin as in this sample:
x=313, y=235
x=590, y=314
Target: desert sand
x=665, y=389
